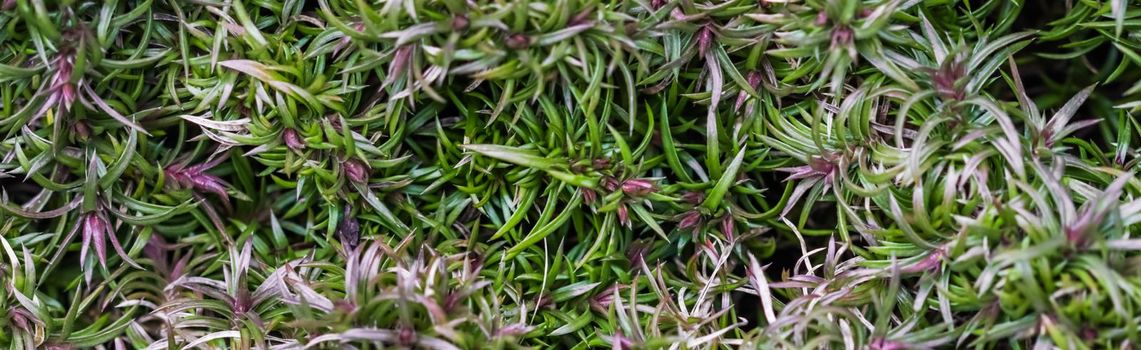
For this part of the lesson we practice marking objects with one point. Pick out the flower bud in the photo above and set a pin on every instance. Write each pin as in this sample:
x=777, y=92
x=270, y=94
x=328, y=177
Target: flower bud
x=754, y=80
x=21, y=318
x=81, y=131
x=933, y=260
x=589, y=196
x=292, y=140
x=610, y=184
x=602, y=301
x=356, y=171
x=727, y=226
x=624, y=216
x=689, y=220
x=95, y=228
x=693, y=197
x=638, y=187
x=636, y=254
x=842, y=36
x=518, y=41
x=460, y=23
x=704, y=39
x=67, y=95
x=406, y=336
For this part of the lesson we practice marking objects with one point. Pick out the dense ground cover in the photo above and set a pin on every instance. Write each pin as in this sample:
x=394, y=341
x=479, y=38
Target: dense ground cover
x=288, y=174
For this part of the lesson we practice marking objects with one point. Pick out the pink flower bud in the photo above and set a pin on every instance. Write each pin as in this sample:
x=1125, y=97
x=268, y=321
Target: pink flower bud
x=589, y=196
x=933, y=261
x=602, y=301
x=209, y=183
x=610, y=184
x=518, y=41
x=356, y=171
x=406, y=336
x=636, y=254
x=67, y=95
x=292, y=139
x=400, y=61
x=460, y=23
x=884, y=344
x=689, y=220
x=754, y=80
x=704, y=39
x=821, y=18
x=638, y=187
x=94, y=230
x=21, y=318
x=624, y=216
x=842, y=36
x=600, y=163
x=727, y=226
x=693, y=197
x=196, y=177
x=678, y=14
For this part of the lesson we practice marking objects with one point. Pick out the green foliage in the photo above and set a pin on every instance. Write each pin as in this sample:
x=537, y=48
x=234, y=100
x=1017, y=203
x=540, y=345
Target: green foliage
x=446, y=174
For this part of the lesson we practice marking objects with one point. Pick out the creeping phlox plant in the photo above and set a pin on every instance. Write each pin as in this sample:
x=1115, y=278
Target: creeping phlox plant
x=578, y=174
